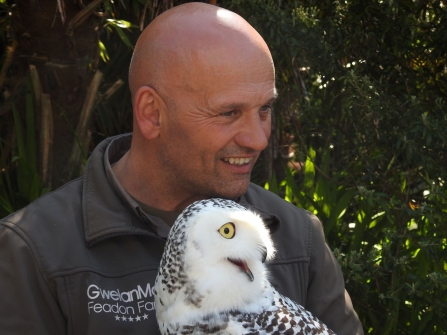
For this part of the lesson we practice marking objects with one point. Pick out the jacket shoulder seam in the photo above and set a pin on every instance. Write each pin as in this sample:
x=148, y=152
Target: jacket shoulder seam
x=310, y=235
x=102, y=273
x=289, y=260
x=41, y=197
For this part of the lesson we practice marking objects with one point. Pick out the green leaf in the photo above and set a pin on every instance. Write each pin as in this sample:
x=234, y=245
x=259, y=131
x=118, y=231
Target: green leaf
x=15, y=158
x=426, y=317
x=103, y=52
x=272, y=185
x=123, y=36
x=309, y=170
x=30, y=129
x=121, y=23
x=35, y=188
x=5, y=203
x=19, y=132
x=339, y=209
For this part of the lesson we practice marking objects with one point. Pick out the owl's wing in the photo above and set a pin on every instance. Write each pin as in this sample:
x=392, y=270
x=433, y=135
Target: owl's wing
x=211, y=324
x=291, y=314
x=282, y=316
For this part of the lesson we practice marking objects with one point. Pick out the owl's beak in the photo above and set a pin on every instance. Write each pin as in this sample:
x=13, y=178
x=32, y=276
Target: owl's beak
x=243, y=266
x=264, y=254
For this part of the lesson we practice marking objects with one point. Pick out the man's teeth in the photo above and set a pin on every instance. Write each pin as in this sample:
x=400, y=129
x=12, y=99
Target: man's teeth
x=237, y=161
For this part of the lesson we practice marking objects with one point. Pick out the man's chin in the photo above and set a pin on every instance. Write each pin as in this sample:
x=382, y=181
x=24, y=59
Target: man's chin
x=232, y=190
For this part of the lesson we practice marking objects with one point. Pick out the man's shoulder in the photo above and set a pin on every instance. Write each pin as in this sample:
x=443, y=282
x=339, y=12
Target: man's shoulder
x=57, y=205
x=297, y=229
x=50, y=227
x=274, y=204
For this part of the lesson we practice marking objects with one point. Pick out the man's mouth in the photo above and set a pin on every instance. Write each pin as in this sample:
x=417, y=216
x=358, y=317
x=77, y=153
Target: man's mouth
x=237, y=160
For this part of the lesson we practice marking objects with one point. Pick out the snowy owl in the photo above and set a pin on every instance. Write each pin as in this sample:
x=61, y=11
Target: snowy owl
x=212, y=278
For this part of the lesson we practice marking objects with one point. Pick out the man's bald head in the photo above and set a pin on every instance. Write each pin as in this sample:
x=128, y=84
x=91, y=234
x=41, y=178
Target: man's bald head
x=188, y=41
x=203, y=84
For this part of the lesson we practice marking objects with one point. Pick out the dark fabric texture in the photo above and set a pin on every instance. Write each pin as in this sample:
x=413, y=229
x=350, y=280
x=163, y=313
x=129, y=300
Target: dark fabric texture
x=83, y=260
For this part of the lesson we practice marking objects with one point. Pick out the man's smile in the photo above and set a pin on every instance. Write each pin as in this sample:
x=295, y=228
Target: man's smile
x=237, y=160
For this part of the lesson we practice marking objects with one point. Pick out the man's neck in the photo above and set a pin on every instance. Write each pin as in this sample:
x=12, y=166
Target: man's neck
x=143, y=184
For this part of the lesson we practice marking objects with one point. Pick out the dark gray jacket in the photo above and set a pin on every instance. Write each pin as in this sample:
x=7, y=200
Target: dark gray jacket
x=80, y=261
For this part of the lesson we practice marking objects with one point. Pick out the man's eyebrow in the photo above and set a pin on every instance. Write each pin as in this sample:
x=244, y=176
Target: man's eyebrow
x=274, y=97
x=244, y=105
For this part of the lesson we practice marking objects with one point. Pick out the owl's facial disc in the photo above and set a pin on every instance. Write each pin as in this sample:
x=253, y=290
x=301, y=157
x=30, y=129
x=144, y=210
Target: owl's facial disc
x=243, y=266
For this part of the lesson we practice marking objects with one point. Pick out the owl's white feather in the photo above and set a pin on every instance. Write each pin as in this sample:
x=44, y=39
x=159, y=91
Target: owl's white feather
x=211, y=282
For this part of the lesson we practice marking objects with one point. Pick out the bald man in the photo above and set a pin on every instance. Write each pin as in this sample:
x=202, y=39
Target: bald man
x=83, y=259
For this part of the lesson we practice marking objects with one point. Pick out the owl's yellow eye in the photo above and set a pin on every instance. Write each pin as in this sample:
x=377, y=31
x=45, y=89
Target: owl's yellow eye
x=228, y=230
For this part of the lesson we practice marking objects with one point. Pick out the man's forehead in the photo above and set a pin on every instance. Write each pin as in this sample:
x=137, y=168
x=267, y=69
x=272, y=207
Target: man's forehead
x=245, y=105
x=242, y=100
x=194, y=43
x=202, y=71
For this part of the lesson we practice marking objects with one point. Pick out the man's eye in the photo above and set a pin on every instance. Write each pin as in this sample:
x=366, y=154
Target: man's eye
x=266, y=108
x=229, y=113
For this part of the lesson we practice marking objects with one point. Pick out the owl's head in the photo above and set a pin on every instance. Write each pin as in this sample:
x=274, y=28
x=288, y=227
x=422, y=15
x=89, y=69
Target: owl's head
x=224, y=250
x=233, y=236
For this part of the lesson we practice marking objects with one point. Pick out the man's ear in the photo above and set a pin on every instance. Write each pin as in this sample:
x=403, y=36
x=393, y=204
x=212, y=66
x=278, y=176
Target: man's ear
x=146, y=109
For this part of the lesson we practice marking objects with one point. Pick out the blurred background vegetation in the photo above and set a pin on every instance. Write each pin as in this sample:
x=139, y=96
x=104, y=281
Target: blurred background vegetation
x=359, y=133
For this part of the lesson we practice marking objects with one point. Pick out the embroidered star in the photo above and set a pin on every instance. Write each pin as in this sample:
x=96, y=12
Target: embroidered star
x=123, y=318
x=138, y=318
x=130, y=319
x=145, y=316
x=117, y=318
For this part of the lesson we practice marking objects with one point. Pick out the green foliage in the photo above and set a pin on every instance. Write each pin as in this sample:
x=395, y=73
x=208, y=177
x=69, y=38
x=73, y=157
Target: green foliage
x=396, y=275
x=362, y=104
x=19, y=179
x=118, y=26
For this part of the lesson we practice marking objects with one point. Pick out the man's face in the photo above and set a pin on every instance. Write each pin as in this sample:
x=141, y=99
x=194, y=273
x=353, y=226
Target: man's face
x=221, y=123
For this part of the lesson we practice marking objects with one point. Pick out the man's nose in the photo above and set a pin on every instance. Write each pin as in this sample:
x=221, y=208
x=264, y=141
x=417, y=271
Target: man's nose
x=254, y=132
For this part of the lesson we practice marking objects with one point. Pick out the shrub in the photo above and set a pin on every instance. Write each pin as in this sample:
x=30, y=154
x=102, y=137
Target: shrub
x=361, y=141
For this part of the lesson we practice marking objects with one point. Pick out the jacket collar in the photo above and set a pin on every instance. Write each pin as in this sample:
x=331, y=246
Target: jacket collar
x=109, y=211
x=105, y=214
x=271, y=220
